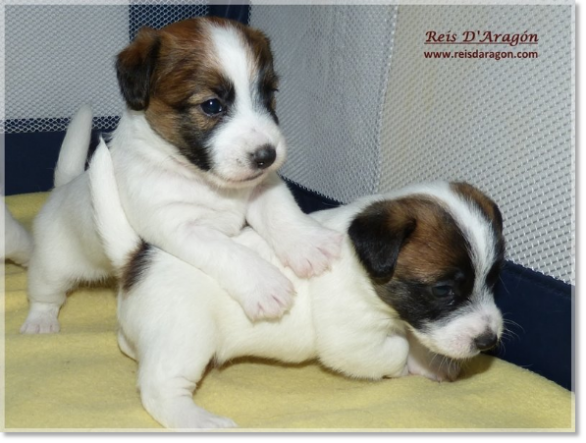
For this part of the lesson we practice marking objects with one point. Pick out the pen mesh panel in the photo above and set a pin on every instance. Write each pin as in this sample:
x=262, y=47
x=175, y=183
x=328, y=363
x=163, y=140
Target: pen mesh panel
x=505, y=126
x=333, y=63
x=60, y=56
x=364, y=111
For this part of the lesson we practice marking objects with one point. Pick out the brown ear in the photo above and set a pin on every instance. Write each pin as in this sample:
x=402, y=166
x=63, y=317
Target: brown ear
x=135, y=66
x=378, y=234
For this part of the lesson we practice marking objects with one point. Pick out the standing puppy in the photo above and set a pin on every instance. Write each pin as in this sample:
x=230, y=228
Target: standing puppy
x=195, y=156
x=412, y=292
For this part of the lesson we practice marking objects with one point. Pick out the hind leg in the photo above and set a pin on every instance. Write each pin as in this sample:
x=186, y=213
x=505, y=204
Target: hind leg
x=169, y=399
x=174, y=339
x=47, y=293
x=167, y=378
x=48, y=285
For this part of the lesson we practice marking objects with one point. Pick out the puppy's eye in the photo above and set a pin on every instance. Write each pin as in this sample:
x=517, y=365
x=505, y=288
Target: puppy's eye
x=213, y=107
x=443, y=291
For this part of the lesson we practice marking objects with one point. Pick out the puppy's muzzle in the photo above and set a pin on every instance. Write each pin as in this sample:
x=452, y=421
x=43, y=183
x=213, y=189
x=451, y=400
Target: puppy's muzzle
x=263, y=157
x=486, y=341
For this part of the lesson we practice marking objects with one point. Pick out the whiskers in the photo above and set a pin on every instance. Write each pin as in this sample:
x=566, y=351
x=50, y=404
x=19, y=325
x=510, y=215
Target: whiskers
x=447, y=367
x=509, y=334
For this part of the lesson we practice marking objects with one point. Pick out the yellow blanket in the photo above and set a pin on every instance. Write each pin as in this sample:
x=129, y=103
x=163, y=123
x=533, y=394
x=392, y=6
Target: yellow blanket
x=78, y=379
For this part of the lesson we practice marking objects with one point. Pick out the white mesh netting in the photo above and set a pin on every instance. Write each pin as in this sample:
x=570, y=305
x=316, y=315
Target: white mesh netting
x=60, y=56
x=333, y=62
x=505, y=125
x=355, y=127
x=362, y=109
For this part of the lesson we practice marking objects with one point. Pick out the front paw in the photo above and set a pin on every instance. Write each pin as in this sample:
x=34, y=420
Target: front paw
x=439, y=369
x=311, y=251
x=270, y=297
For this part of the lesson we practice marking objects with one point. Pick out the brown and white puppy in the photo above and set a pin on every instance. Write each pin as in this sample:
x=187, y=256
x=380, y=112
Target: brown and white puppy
x=195, y=155
x=411, y=293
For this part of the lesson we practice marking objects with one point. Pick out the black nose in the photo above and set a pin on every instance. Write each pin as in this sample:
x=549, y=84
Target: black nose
x=486, y=341
x=264, y=156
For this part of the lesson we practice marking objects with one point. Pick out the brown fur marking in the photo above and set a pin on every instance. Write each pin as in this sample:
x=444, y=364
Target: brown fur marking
x=435, y=248
x=135, y=266
x=187, y=72
x=484, y=203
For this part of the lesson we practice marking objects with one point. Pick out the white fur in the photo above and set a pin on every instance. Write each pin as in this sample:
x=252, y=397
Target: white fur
x=177, y=319
x=250, y=126
x=71, y=158
x=191, y=214
x=17, y=243
x=451, y=338
x=67, y=247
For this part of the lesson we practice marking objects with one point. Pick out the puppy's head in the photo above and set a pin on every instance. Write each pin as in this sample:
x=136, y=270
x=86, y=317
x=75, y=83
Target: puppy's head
x=434, y=256
x=207, y=85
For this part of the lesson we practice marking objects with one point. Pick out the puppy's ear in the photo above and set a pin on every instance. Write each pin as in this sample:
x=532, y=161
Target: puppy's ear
x=135, y=66
x=378, y=233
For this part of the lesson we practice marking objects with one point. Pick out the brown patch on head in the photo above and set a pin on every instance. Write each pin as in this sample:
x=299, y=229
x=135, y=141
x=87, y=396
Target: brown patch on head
x=412, y=238
x=173, y=75
x=261, y=69
x=491, y=212
x=416, y=255
x=437, y=249
x=488, y=207
x=258, y=46
x=267, y=79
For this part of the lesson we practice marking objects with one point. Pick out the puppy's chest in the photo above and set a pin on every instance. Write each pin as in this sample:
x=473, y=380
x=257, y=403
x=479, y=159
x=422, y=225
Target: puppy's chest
x=225, y=215
x=221, y=210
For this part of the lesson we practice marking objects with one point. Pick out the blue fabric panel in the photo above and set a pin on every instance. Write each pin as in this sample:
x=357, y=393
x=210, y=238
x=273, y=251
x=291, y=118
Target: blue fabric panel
x=30, y=161
x=310, y=201
x=541, y=308
x=234, y=12
x=31, y=158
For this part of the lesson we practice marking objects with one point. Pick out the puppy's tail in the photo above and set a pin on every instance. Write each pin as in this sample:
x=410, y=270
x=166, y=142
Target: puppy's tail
x=75, y=146
x=118, y=237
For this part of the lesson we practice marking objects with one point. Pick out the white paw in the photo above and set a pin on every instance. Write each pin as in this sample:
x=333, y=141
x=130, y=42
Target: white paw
x=310, y=250
x=270, y=295
x=439, y=369
x=199, y=418
x=44, y=325
x=216, y=422
x=41, y=320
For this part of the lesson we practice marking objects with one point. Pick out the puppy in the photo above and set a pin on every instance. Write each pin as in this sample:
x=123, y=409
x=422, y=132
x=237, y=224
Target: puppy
x=414, y=280
x=17, y=244
x=195, y=156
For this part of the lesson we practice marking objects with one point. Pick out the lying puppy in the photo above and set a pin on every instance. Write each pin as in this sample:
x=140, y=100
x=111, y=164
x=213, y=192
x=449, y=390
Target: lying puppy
x=417, y=268
x=195, y=157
